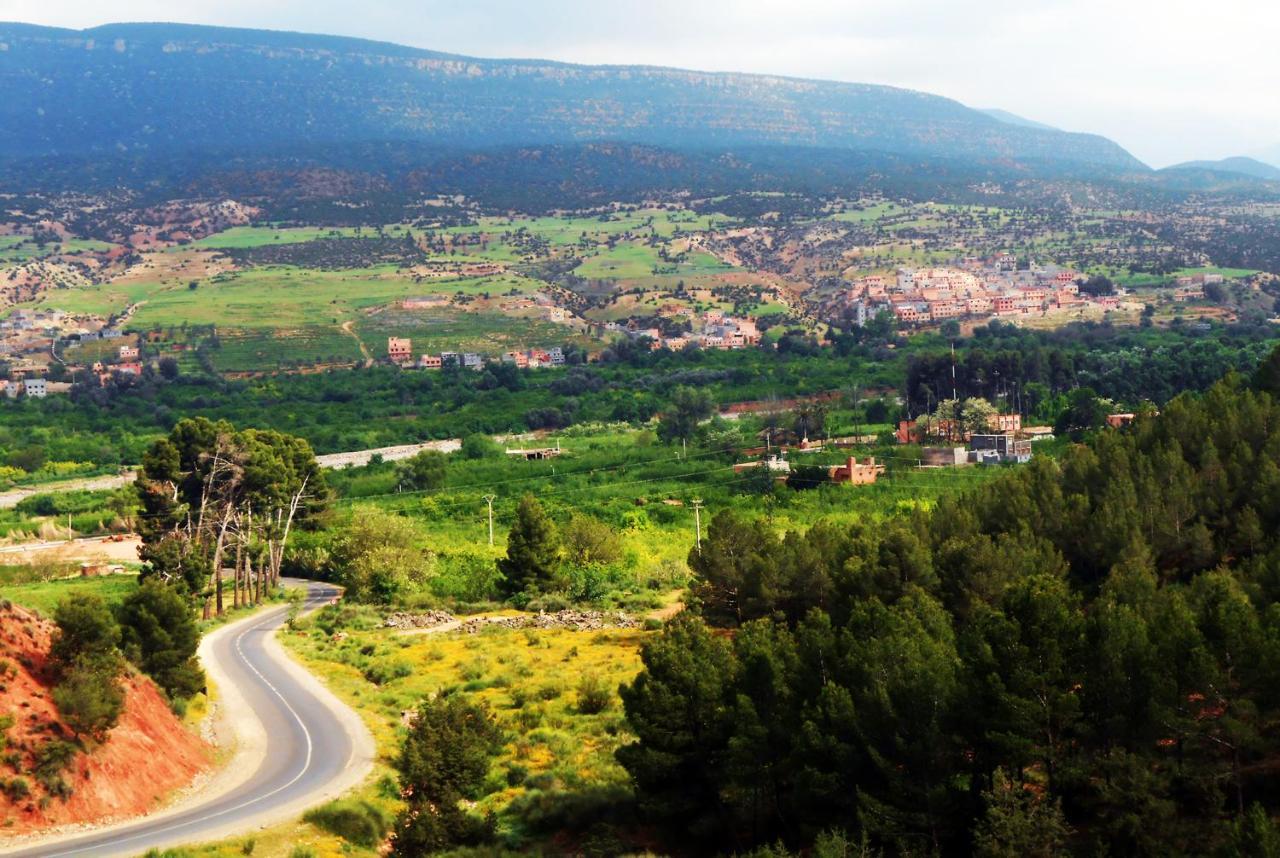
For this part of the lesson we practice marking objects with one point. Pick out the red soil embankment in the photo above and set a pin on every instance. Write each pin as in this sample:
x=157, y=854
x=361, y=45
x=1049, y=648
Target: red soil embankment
x=147, y=756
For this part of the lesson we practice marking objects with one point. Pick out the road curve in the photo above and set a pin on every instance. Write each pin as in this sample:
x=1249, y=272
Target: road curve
x=315, y=748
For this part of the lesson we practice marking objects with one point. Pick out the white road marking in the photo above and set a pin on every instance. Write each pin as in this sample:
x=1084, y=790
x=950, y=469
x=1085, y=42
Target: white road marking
x=305, y=765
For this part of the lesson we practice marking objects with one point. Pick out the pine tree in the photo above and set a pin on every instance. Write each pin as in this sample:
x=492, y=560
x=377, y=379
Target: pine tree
x=532, y=563
x=1018, y=824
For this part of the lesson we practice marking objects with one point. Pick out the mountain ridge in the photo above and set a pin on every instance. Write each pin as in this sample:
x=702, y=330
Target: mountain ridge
x=1239, y=165
x=127, y=87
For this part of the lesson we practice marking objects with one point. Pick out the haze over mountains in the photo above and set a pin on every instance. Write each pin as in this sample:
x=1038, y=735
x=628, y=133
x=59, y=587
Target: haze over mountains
x=1239, y=165
x=159, y=88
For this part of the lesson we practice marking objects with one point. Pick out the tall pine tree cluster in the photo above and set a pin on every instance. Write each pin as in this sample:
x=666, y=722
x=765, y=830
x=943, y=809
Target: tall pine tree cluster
x=1082, y=657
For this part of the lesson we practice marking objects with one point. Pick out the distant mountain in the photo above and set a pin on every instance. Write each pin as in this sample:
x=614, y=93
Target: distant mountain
x=1014, y=119
x=1239, y=166
x=162, y=89
x=1270, y=155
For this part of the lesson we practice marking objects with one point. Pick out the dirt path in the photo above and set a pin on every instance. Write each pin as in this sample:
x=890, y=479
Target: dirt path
x=92, y=550
x=358, y=458
x=348, y=327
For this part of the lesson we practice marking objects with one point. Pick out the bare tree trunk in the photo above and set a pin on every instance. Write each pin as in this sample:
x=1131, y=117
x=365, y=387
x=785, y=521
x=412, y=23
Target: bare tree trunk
x=217, y=557
x=236, y=577
x=294, y=503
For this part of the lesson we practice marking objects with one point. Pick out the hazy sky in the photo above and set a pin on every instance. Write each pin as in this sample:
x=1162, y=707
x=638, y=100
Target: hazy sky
x=1168, y=79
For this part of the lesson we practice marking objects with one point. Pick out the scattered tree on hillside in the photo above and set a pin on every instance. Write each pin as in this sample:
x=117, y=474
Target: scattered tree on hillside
x=422, y=472
x=532, y=563
x=689, y=407
x=443, y=761
x=589, y=541
x=159, y=634
x=86, y=665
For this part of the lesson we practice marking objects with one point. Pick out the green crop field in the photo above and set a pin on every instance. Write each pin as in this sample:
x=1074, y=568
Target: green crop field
x=450, y=329
x=630, y=261
x=564, y=231
x=257, y=236
x=294, y=298
x=265, y=349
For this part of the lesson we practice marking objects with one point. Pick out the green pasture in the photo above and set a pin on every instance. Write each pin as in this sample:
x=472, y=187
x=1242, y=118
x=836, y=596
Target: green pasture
x=43, y=596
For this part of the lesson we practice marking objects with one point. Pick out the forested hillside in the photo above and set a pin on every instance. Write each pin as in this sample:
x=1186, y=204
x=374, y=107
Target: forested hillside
x=1083, y=654
x=128, y=87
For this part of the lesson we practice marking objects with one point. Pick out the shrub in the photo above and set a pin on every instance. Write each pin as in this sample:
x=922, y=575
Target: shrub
x=50, y=761
x=89, y=697
x=160, y=636
x=382, y=672
x=358, y=822
x=589, y=541
x=15, y=789
x=594, y=696
x=86, y=629
x=466, y=577
x=478, y=446
x=444, y=760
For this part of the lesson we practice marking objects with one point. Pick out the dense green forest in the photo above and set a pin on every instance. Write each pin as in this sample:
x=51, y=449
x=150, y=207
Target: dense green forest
x=1081, y=656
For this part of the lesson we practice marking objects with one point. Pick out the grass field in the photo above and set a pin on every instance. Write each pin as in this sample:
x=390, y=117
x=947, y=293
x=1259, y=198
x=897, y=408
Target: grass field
x=565, y=231
x=20, y=248
x=257, y=236
x=44, y=596
x=632, y=261
x=530, y=680
x=448, y=329
x=264, y=349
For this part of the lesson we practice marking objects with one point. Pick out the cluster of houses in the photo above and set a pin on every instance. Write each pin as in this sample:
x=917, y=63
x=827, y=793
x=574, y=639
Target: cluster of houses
x=1004, y=441
x=1191, y=286
x=128, y=361
x=850, y=472
x=973, y=288
x=713, y=329
x=33, y=386
x=400, y=353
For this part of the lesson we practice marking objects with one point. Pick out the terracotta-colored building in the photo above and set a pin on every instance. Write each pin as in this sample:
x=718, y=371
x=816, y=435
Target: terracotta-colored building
x=856, y=473
x=400, y=350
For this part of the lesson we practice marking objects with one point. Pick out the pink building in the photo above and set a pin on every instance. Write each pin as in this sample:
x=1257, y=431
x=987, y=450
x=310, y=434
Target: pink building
x=400, y=350
x=856, y=473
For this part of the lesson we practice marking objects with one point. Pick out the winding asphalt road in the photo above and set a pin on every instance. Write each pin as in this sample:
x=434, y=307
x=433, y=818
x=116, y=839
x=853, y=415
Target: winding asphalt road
x=309, y=748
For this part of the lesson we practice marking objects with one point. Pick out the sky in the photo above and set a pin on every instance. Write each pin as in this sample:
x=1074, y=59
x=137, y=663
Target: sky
x=1170, y=80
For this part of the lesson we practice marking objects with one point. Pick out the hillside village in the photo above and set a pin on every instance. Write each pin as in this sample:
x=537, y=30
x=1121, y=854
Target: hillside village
x=456, y=285
x=975, y=288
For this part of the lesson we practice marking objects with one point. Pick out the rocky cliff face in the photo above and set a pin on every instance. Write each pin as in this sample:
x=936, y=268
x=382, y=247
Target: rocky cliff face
x=147, y=756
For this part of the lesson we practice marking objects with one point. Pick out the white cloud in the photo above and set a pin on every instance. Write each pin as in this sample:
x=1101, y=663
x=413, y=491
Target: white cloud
x=1169, y=79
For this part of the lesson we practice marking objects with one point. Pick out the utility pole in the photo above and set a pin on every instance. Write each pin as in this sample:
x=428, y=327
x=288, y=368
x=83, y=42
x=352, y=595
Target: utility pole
x=697, y=522
x=954, y=396
x=489, y=500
